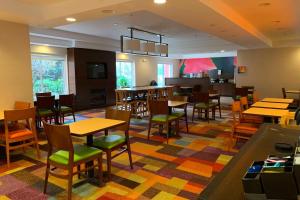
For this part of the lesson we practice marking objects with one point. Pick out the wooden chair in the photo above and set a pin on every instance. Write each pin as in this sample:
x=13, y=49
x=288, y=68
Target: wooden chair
x=249, y=118
x=66, y=106
x=181, y=114
x=112, y=142
x=159, y=114
x=15, y=137
x=241, y=129
x=45, y=108
x=240, y=92
x=62, y=154
x=123, y=101
x=218, y=98
x=170, y=92
x=43, y=94
x=255, y=97
x=202, y=102
x=162, y=94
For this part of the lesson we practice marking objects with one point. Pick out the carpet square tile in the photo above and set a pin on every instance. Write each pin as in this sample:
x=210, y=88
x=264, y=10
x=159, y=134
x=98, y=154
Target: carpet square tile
x=178, y=170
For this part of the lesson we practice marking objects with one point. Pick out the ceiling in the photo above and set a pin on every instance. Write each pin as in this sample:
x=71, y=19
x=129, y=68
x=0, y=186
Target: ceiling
x=181, y=39
x=192, y=26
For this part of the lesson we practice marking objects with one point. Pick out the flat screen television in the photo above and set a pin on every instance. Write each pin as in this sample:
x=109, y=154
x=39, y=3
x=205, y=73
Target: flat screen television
x=96, y=71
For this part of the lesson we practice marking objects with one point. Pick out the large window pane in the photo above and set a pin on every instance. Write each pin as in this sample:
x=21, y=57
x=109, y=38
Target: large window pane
x=125, y=74
x=164, y=71
x=49, y=75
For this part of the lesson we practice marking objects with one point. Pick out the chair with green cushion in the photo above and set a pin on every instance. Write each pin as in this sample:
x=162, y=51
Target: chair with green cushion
x=62, y=154
x=181, y=111
x=66, y=106
x=111, y=142
x=45, y=108
x=202, y=102
x=159, y=114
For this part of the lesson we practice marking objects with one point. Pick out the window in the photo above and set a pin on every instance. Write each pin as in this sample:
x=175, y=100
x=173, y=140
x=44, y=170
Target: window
x=164, y=71
x=125, y=74
x=49, y=74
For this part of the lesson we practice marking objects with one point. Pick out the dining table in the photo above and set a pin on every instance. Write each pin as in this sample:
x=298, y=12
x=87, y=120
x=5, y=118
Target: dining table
x=88, y=127
x=261, y=104
x=278, y=100
x=292, y=91
x=142, y=88
x=267, y=112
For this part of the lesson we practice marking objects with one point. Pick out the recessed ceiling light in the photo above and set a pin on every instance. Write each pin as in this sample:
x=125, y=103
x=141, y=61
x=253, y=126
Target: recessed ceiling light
x=71, y=19
x=222, y=51
x=264, y=4
x=160, y=1
x=116, y=24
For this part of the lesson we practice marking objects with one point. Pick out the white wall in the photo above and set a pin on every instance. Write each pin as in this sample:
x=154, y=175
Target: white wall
x=15, y=64
x=146, y=67
x=270, y=69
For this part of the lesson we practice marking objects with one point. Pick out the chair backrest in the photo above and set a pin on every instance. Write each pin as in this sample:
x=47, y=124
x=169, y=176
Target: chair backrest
x=202, y=97
x=180, y=98
x=236, y=111
x=22, y=105
x=26, y=115
x=158, y=107
x=59, y=137
x=197, y=88
x=244, y=103
x=242, y=92
x=46, y=102
x=43, y=94
x=121, y=96
x=66, y=100
x=283, y=93
x=255, y=97
x=119, y=115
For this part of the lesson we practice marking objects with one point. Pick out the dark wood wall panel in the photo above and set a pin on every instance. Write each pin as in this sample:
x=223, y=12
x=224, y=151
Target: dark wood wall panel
x=91, y=93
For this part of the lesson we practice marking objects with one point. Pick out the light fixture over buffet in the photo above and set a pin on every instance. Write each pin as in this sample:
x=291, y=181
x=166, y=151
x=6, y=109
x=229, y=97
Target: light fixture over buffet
x=142, y=46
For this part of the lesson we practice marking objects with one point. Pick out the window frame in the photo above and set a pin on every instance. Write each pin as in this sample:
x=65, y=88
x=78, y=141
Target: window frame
x=53, y=57
x=133, y=71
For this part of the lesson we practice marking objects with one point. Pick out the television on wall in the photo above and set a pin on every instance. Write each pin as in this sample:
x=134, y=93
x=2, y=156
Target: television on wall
x=96, y=71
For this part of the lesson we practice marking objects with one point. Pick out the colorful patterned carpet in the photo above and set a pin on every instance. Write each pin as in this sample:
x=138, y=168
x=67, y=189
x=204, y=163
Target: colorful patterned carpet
x=178, y=170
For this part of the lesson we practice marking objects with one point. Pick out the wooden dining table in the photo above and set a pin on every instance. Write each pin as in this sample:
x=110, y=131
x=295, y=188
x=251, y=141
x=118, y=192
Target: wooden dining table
x=278, y=100
x=267, y=112
x=261, y=104
x=88, y=127
x=142, y=88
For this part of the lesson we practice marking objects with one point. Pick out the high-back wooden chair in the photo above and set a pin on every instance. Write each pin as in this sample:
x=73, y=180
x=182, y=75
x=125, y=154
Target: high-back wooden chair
x=62, y=154
x=45, y=108
x=249, y=118
x=112, y=141
x=159, y=114
x=181, y=114
x=19, y=136
x=66, y=106
x=241, y=130
x=201, y=102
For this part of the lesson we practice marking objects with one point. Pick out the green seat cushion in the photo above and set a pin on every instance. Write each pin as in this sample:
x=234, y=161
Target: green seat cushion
x=178, y=114
x=205, y=105
x=81, y=152
x=163, y=118
x=65, y=109
x=108, y=142
x=45, y=112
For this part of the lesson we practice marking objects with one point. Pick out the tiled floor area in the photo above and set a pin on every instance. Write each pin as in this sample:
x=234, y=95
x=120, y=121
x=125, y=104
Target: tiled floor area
x=178, y=170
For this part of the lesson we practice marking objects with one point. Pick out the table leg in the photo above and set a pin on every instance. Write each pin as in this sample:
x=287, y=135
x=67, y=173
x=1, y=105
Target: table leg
x=89, y=142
